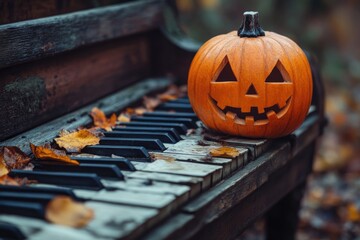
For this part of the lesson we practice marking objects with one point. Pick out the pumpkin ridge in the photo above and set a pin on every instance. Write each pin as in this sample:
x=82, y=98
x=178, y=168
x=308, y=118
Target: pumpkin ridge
x=278, y=38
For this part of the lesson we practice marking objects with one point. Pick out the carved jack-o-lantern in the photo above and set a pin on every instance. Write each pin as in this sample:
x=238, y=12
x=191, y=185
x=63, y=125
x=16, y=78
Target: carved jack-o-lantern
x=250, y=82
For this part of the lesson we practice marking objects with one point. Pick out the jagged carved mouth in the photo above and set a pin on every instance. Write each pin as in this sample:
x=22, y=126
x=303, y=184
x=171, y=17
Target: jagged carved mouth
x=254, y=117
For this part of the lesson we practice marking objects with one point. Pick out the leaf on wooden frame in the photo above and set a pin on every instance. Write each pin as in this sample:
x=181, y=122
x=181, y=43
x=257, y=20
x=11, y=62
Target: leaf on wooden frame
x=101, y=121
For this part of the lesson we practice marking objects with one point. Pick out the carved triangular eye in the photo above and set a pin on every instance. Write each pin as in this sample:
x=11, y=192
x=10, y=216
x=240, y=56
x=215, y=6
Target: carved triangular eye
x=226, y=74
x=276, y=74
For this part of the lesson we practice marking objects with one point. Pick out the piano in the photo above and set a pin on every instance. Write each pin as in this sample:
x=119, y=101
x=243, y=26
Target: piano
x=59, y=59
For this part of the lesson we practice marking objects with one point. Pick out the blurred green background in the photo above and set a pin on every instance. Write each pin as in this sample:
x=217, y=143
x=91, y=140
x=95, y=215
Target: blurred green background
x=330, y=30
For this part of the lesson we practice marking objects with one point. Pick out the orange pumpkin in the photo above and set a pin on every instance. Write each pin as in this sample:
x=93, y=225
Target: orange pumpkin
x=250, y=82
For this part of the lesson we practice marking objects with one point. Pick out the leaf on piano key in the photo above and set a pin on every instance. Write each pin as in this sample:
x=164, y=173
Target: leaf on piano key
x=137, y=111
x=14, y=158
x=160, y=156
x=151, y=103
x=224, y=152
x=166, y=97
x=63, y=210
x=6, y=180
x=123, y=118
x=75, y=141
x=3, y=168
x=101, y=121
x=47, y=153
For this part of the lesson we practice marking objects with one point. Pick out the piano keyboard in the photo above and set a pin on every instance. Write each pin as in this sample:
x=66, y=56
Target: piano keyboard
x=128, y=191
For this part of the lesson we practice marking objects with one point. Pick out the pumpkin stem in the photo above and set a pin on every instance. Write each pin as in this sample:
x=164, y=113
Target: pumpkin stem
x=250, y=26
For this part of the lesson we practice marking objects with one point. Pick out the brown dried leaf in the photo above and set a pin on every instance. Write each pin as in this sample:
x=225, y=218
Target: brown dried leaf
x=7, y=180
x=202, y=143
x=224, y=152
x=123, y=118
x=353, y=213
x=3, y=168
x=166, y=97
x=151, y=103
x=190, y=131
x=63, y=210
x=48, y=153
x=101, y=121
x=157, y=156
x=14, y=158
x=75, y=141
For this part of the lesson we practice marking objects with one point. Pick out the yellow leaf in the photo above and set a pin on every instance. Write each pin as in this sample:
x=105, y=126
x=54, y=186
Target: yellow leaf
x=63, y=210
x=75, y=141
x=224, y=152
x=101, y=121
x=3, y=169
x=48, y=153
x=123, y=118
x=353, y=213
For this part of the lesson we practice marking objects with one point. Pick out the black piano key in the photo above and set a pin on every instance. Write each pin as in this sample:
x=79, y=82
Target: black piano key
x=27, y=209
x=171, y=115
x=75, y=180
x=122, y=151
x=102, y=170
x=171, y=131
x=177, y=107
x=121, y=163
x=45, y=190
x=9, y=231
x=180, y=100
x=180, y=128
x=41, y=198
x=149, y=144
x=163, y=137
x=188, y=122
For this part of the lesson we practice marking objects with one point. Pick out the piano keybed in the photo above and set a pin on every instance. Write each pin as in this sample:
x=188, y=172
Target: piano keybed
x=129, y=192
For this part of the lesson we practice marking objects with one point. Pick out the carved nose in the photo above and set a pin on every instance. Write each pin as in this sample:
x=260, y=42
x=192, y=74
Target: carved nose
x=251, y=90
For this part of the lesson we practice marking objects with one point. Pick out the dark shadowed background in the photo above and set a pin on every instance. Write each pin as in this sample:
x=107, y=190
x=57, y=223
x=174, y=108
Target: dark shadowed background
x=330, y=30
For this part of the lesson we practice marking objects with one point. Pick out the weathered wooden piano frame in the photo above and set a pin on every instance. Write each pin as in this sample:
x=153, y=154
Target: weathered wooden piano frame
x=51, y=66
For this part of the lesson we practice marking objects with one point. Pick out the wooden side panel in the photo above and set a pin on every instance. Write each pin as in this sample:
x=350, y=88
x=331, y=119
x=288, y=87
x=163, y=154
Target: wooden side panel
x=33, y=39
x=33, y=93
x=20, y=10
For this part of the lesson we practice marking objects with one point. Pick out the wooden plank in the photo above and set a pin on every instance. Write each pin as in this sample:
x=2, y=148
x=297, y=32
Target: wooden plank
x=306, y=133
x=66, y=32
x=210, y=174
x=193, y=182
x=203, y=148
x=227, y=164
x=19, y=10
x=78, y=118
x=255, y=205
x=242, y=183
x=39, y=91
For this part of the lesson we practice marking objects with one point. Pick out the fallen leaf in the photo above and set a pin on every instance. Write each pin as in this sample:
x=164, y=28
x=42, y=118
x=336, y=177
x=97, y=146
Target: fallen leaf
x=63, y=210
x=136, y=111
x=224, y=152
x=75, y=141
x=48, y=153
x=190, y=131
x=151, y=103
x=123, y=118
x=159, y=156
x=7, y=180
x=166, y=97
x=101, y=121
x=3, y=168
x=14, y=158
x=202, y=143
x=353, y=213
